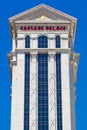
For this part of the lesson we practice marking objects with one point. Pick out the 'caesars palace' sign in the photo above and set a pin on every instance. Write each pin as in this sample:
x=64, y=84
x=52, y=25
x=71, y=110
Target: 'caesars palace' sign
x=43, y=28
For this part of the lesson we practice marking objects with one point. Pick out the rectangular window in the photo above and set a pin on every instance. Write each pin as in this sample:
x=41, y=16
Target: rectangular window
x=26, y=92
x=42, y=92
x=58, y=85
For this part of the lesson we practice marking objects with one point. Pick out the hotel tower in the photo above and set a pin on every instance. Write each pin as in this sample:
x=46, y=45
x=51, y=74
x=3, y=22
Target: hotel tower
x=43, y=67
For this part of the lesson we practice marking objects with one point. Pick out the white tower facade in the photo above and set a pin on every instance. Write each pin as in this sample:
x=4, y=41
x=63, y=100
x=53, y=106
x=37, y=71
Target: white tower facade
x=43, y=68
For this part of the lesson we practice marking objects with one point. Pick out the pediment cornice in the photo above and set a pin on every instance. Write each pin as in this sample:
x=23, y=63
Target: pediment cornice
x=42, y=10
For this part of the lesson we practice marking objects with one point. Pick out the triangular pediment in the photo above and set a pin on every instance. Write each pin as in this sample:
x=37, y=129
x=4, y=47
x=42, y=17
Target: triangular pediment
x=42, y=13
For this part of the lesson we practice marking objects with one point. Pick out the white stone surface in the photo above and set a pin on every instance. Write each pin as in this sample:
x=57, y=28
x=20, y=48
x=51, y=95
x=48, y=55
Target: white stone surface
x=21, y=43
x=33, y=43
x=72, y=98
x=52, y=91
x=13, y=44
x=17, y=106
x=65, y=82
x=33, y=92
x=64, y=41
x=51, y=43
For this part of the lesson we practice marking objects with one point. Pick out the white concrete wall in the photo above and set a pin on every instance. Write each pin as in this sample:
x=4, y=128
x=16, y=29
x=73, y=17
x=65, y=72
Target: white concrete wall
x=72, y=98
x=65, y=85
x=17, y=107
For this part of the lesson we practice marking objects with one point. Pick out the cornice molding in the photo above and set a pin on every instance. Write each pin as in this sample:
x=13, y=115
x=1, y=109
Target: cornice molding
x=43, y=50
x=42, y=9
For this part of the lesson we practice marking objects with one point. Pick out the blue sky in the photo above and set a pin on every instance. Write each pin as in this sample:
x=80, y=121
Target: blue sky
x=76, y=8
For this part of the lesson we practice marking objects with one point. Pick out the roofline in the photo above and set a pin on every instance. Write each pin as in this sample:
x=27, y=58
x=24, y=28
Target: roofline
x=39, y=6
x=26, y=21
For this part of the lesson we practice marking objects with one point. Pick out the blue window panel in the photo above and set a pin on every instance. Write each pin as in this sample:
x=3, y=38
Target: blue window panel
x=57, y=41
x=42, y=92
x=26, y=92
x=59, y=98
x=42, y=42
x=27, y=42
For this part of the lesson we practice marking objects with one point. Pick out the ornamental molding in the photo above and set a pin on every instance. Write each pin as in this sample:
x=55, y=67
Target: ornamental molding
x=40, y=11
x=33, y=92
x=53, y=122
x=52, y=76
x=14, y=35
x=51, y=56
x=33, y=56
x=33, y=123
x=33, y=78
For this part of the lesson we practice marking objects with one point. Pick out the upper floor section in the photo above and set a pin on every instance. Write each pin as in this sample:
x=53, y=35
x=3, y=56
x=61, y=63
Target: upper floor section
x=42, y=27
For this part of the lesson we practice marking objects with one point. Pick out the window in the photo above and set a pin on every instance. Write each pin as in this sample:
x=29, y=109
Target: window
x=42, y=42
x=59, y=96
x=57, y=41
x=43, y=92
x=27, y=42
x=26, y=92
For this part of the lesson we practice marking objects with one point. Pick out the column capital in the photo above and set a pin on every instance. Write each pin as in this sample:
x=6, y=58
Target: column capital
x=51, y=56
x=33, y=55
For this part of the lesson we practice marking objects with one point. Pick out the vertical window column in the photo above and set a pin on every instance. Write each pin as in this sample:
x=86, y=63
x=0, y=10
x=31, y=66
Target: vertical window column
x=27, y=42
x=42, y=42
x=57, y=41
x=59, y=96
x=43, y=92
x=26, y=92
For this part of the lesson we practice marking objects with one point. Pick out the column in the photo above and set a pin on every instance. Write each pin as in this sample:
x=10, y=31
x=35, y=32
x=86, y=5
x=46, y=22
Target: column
x=33, y=43
x=13, y=43
x=20, y=42
x=51, y=41
x=33, y=91
x=65, y=85
x=64, y=41
x=73, y=95
x=52, y=91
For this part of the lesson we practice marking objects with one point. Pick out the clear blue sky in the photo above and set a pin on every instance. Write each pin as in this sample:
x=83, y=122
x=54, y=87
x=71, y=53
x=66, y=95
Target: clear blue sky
x=76, y=8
